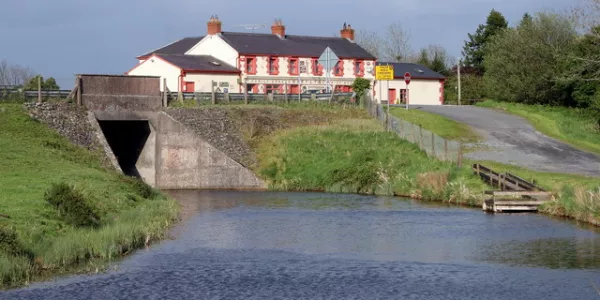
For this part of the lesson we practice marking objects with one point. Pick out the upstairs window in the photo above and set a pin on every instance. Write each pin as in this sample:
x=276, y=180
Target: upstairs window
x=317, y=68
x=359, y=68
x=250, y=65
x=293, y=66
x=273, y=65
x=338, y=70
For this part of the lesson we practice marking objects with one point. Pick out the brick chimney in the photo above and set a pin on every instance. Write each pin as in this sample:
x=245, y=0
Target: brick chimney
x=347, y=32
x=278, y=28
x=214, y=25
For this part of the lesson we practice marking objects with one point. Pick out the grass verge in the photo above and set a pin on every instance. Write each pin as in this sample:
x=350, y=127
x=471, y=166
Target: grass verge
x=59, y=206
x=444, y=127
x=577, y=127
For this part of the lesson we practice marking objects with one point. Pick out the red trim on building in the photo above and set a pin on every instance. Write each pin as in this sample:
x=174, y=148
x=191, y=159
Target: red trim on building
x=275, y=61
x=293, y=66
x=360, y=71
x=316, y=68
x=254, y=63
x=211, y=71
x=338, y=70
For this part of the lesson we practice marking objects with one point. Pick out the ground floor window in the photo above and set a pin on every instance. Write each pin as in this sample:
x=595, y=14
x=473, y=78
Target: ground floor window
x=251, y=88
x=343, y=89
x=272, y=88
x=403, y=96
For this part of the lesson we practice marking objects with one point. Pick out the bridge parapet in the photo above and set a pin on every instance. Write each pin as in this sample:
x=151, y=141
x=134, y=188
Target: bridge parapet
x=118, y=92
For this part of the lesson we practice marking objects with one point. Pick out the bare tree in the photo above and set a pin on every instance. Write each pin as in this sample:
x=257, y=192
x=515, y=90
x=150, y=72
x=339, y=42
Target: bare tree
x=586, y=18
x=396, y=43
x=14, y=75
x=370, y=41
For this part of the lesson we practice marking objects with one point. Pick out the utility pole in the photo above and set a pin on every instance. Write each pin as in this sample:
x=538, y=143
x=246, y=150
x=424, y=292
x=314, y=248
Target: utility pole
x=458, y=72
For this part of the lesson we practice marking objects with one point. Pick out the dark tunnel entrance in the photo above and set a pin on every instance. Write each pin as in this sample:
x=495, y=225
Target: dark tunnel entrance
x=127, y=140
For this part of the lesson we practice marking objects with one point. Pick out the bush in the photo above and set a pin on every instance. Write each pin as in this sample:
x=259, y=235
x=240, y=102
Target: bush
x=141, y=188
x=11, y=245
x=72, y=205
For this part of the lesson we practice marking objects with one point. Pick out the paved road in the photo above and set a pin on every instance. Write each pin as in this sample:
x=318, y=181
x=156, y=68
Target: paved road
x=513, y=140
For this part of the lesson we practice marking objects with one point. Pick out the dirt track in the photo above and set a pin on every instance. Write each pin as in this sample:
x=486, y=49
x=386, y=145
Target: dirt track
x=511, y=139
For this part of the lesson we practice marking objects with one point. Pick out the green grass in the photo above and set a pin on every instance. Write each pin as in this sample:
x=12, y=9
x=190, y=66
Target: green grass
x=443, y=127
x=577, y=127
x=357, y=156
x=32, y=159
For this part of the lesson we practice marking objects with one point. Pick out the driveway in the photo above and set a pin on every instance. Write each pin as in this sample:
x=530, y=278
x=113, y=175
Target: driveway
x=511, y=139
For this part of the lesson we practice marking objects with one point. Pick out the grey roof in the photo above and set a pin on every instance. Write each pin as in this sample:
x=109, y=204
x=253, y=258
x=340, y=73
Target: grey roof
x=178, y=47
x=293, y=45
x=416, y=71
x=204, y=63
x=270, y=44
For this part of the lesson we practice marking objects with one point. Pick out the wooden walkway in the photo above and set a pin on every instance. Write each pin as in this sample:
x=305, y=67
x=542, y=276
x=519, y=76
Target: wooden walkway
x=514, y=193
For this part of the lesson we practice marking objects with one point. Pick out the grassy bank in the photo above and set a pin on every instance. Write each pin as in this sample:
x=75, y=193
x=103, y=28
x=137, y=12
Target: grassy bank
x=444, y=127
x=60, y=207
x=577, y=127
x=356, y=156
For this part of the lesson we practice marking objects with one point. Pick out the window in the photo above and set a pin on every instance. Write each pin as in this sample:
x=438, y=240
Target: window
x=317, y=68
x=359, y=68
x=251, y=65
x=272, y=88
x=273, y=65
x=293, y=66
x=338, y=70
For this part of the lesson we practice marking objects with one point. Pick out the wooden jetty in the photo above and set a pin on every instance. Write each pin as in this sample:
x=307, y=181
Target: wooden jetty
x=514, y=193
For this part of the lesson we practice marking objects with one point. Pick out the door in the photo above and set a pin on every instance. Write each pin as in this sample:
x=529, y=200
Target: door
x=294, y=89
x=190, y=87
x=392, y=96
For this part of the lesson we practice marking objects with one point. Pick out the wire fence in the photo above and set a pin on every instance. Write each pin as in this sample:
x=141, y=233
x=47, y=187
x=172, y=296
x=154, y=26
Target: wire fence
x=433, y=144
x=240, y=98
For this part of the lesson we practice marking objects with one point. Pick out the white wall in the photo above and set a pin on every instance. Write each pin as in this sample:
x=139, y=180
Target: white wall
x=202, y=82
x=157, y=67
x=421, y=91
x=215, y=46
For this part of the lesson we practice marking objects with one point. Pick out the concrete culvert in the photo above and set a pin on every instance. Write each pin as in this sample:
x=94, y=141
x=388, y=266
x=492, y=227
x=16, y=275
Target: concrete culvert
x=126, y=139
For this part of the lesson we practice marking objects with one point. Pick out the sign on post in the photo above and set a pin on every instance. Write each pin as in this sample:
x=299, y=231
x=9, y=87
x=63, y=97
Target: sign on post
x=384, y=72
x=328, y=60
x=407, y=77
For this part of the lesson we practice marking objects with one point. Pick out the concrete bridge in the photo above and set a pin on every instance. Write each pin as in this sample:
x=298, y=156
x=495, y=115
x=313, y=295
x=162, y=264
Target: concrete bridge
x=142, y=140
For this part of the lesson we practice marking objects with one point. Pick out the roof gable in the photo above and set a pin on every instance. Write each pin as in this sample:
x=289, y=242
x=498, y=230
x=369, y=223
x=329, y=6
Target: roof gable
x=293, y=45
x=416, y=71
x=203, y=63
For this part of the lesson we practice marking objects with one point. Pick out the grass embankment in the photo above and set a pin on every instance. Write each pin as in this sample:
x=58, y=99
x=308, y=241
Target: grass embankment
x=352, y=154
x=577, y=127
x=443, y=127
x=60, y=207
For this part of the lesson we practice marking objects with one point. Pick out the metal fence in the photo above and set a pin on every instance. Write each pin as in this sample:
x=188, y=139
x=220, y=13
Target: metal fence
x=433, y=144
x=227, y=98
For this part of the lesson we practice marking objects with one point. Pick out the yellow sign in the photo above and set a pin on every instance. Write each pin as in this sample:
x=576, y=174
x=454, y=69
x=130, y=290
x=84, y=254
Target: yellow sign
x=384, y=72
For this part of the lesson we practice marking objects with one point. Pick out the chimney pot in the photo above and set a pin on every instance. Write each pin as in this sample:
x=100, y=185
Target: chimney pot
x=347, y=32
x=214, y=25
x=278, y=28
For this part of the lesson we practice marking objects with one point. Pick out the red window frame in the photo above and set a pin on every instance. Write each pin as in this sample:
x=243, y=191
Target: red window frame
x=317, y=68
x=294, y=66
x=338, y=70
x=273, y=88
x=273, y=65
x=359, y=68
x=251, y=65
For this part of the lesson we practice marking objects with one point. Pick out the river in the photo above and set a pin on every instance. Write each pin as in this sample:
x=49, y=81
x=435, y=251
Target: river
x=256, y=245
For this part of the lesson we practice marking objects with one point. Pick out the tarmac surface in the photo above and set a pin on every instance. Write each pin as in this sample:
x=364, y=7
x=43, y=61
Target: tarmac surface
x=511, y=139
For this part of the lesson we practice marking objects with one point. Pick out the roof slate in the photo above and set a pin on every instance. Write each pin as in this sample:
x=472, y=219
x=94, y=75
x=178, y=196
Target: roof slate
x=270, y=44
x=401, y=68
x=199, y=63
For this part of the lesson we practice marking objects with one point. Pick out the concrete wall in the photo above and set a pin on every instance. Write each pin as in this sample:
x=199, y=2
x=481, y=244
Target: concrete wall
x=121, y=92
x=421, y=91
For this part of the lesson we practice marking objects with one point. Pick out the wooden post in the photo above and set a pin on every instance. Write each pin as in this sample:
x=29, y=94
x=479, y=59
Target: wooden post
x=286, y=93
x=432, y=144
x=478, y=172
x=414, y=139
x=79, y=91
x=165, y=104
x=39, y=89
x=460, y=154
x=213, y=97
x=245, y=92
x=226, y=96
x=445, y=149
x=420, y=137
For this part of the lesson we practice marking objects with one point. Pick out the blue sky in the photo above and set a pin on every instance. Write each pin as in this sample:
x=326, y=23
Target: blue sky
x=65, y=37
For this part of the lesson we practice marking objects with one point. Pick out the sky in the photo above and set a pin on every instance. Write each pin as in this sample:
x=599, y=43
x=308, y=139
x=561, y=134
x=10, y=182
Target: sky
x=66, y=37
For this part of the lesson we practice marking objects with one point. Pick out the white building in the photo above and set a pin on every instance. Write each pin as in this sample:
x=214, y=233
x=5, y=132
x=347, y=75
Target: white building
x=256, y=62
x=426, y=86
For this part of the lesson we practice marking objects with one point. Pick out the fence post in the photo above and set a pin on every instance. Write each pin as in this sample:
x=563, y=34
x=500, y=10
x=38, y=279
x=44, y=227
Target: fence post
x=414, y=137
x=39, y=82
x=445, y=149
x=245, y=92
x=212, y=92
x=226, y=96
x=432, y=144
x=286, y=93
x=420, y=137
x=460, y=154
x=165, y=104
x=79, y=91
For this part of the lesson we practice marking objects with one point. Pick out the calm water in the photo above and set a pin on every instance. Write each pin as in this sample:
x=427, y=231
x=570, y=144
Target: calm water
x=252, y=245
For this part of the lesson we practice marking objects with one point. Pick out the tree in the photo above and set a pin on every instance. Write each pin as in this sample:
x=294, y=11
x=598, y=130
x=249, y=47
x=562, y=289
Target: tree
x=523, y=63
x=359, y=86
x=47, y=85
x=14, y=75
x=370, y=41
x=436, y=58
x=527, y=19
x=391, y=46
x=474, y=48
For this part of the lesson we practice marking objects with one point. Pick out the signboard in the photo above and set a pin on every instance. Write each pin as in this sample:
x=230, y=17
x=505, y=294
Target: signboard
x=384, y=72
x=328, y=59
x=407, y=77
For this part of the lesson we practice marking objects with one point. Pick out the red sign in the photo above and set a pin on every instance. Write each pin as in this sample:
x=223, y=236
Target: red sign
x=407, y=77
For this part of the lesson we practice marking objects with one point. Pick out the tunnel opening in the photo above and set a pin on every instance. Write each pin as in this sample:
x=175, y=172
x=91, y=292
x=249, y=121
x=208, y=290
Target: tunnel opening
x=126, y=139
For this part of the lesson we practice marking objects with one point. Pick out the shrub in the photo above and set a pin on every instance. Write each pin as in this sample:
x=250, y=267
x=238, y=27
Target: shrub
x=11, y=245
x=141, y=188
x=72, y=205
